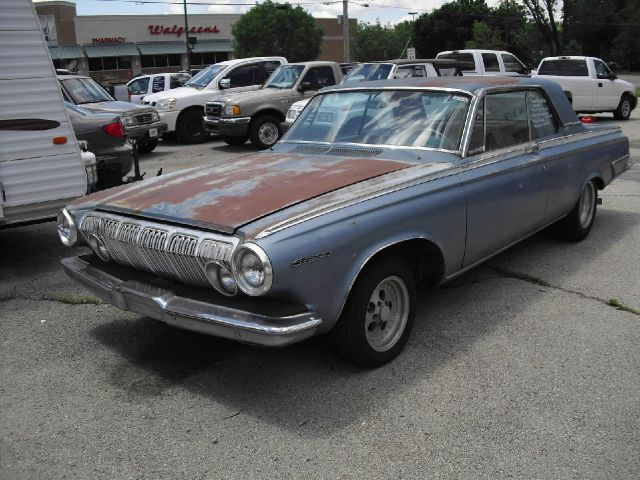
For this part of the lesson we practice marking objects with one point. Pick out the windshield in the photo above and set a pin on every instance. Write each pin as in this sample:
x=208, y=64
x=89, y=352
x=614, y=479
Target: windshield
x=285, y=76
x=368, y=72
x=204, y=77
x=430, y=119
x=85, y=90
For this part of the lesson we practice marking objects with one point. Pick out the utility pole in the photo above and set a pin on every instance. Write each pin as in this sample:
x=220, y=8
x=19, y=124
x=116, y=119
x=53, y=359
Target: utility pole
x=345, y=29
x=186, y=37
x=413, y=25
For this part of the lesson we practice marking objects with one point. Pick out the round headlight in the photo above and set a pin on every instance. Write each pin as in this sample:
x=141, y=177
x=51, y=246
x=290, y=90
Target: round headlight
x=67, y=230
x=252, y=269
x=99, y=247
x=221, y=278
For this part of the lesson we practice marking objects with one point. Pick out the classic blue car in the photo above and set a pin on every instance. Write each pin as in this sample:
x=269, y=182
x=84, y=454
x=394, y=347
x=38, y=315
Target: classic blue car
x=375, y=189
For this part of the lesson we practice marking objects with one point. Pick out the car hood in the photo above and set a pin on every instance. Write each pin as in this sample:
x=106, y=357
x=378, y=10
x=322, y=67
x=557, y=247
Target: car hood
x=263, y=94
x=229, y=195
x=114, y=106
x=180, y=92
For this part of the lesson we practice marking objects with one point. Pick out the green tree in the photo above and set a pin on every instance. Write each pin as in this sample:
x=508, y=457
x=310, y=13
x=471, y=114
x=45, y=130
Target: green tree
x=277, y=29
x=374, y=41
x=449, y=27
x=485, y=36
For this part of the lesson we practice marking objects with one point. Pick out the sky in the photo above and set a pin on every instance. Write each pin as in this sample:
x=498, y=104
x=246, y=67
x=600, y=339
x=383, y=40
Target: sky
x=386, y=11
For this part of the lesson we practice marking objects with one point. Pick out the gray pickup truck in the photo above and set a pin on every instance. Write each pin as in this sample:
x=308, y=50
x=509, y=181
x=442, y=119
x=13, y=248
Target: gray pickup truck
x=257, y=114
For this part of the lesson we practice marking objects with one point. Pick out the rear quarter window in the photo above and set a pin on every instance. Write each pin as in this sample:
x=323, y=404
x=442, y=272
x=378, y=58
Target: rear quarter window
x=564, y=68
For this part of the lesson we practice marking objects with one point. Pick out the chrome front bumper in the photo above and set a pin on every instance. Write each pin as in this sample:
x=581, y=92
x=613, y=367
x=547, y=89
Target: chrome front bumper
x=191, y=313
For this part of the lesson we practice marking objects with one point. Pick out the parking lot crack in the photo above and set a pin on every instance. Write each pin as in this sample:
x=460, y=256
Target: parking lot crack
x=525, y=277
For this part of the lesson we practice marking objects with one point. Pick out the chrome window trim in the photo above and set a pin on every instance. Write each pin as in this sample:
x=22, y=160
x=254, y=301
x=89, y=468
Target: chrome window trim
x=457, y=151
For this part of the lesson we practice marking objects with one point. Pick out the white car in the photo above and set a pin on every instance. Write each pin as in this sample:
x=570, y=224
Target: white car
x=144, y=85
x=183, y=108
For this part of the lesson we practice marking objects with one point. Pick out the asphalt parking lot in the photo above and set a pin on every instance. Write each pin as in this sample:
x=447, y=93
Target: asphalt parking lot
x=521, y=368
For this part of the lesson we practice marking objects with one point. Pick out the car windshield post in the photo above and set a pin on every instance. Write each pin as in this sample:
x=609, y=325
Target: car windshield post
x=85, y=90
x=421, y=119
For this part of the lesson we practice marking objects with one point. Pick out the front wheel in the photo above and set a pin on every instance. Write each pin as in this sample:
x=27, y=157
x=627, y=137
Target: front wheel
x=623, y=112
x=577, y=225
x=190, y=129
x=148, y=145
x=377, y=319
x=264, y=131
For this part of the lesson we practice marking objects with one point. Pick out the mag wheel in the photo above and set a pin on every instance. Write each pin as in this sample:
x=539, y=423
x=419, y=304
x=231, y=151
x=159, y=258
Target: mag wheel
x=577, y=225
x=379, y=314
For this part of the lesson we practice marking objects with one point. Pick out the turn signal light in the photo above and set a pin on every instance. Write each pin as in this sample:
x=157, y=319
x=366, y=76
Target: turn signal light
x=236, y=109
x=59, y=140
x=115, y=129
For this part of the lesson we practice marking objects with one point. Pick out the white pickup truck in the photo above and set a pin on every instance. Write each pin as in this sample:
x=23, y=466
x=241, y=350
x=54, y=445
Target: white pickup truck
x=590, y=85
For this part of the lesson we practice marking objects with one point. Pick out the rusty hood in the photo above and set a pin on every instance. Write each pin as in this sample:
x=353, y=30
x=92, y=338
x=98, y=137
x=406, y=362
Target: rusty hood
x=229, y=195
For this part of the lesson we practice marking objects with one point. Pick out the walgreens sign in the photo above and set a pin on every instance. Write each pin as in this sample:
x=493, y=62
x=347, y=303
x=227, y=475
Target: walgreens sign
x=178, y=31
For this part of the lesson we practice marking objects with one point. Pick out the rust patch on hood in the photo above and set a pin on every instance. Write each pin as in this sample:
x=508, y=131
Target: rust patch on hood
x=238, y=192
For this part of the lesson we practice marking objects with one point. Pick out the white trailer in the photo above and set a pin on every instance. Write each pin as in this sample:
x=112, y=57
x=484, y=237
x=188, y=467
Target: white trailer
x=41, y=167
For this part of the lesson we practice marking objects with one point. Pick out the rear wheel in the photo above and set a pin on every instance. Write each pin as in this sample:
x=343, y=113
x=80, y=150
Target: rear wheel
x=264, y=131
x=189, y=127
x=623, y=112
x=577, y=225
x=235, y=140
x=377, y=319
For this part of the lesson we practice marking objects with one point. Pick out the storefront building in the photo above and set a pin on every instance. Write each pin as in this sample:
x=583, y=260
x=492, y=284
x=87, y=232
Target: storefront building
x=114, y=48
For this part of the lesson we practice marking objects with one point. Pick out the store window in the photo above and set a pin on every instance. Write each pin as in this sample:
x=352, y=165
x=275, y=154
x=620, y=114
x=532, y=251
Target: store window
x=152, y=61
x=109, y=63
x=208, y=58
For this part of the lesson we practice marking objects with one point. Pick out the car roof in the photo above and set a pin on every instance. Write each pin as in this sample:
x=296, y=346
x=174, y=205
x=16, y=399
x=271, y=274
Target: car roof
x=316, y=63
x=236, y=61
x=419, y=61
x=65, y=77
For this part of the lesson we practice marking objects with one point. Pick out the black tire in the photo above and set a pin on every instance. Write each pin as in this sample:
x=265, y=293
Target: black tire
x=190, y=128
x=148, y=145
x=264, y=131
x=623, y=112
x=354, y=336
x=235, y=140
x=577, y=225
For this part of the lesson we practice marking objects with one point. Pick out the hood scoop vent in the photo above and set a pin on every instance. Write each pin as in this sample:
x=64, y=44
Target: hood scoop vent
x=339, y=151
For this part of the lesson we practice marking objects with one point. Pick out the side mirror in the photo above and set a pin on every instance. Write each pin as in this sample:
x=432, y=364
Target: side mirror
x=305, y=86
x=225, y=83
x=612, y=76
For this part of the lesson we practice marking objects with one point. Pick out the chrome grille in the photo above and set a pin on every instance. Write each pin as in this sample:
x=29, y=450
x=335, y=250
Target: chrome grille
x=143, y=118
x=213, y=109
x=164, y=250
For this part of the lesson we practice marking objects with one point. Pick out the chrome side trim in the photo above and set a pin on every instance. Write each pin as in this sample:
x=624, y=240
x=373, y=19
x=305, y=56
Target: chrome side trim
x=164, y=250
x=191, y=314
x=364, y=195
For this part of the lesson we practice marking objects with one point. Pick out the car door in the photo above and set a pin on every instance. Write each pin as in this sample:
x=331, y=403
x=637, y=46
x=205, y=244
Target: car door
x=607, y=96
x=139, y=88
x=558, y=163
x=317, y=77
x=502, y=178
x=244, y=77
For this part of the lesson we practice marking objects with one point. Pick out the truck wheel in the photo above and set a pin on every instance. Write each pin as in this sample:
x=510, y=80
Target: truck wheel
x=623, y=112
x=378, y=316
x=235, y=140
x=264, y=131
x=148, y=145
x=577, y=225
x=190, y=128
